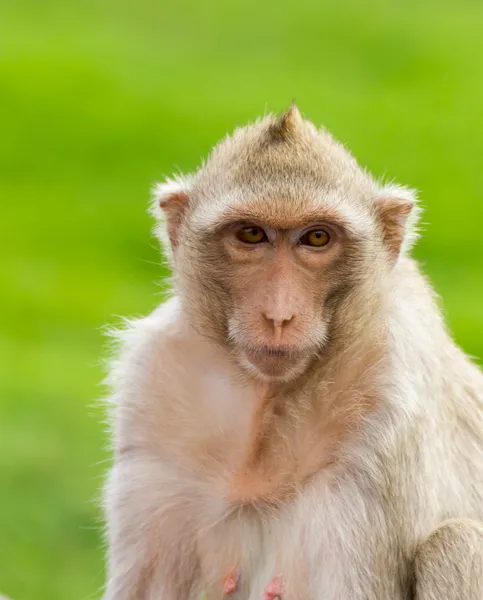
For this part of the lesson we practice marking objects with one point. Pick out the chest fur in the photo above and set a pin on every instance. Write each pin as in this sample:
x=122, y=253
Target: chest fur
x=309, y=540
x=252, y=443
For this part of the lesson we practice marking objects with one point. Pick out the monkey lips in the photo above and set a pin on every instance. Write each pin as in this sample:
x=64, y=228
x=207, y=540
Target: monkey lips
x=276, y=362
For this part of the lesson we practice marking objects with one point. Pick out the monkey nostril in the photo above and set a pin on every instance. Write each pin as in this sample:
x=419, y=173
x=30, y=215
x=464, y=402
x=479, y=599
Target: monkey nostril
x=278, y=323
x=278, y=326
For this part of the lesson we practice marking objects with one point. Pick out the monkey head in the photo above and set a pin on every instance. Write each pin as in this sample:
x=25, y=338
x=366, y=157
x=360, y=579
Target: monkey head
x=281, y=244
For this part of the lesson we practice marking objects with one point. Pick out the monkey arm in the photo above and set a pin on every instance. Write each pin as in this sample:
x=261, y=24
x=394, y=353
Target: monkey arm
x=449, y=563
x=152, y=547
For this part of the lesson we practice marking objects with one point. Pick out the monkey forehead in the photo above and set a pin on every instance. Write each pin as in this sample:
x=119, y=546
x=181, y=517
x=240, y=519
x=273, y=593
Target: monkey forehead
x=282, y=211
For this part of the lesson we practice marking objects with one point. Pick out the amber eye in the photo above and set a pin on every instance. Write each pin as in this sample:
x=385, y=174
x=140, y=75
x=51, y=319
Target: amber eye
x=251, y=235
x=316, y=238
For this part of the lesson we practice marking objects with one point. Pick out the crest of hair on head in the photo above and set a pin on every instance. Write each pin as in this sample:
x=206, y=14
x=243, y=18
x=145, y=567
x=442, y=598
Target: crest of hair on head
x=170, y=202
x=287, y=125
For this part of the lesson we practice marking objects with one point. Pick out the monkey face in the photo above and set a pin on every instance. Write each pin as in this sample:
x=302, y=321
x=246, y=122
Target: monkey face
x=273, y=284
x=278, y=282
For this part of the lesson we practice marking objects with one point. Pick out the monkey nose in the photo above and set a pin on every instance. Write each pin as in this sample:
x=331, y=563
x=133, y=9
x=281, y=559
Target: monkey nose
x=278, y=324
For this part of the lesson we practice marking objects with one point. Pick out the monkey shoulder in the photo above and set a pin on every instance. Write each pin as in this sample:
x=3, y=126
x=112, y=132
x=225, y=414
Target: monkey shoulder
x=169, y=386
x=142, y=343
x=162, y=350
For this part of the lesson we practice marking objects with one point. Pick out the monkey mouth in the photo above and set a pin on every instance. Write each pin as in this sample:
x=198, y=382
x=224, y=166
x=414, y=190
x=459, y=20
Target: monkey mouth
x=276, y=352
x=273, y=361
x=263, y=352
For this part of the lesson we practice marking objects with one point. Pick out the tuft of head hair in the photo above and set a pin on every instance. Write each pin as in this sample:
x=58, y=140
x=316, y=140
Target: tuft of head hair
x=287, y=125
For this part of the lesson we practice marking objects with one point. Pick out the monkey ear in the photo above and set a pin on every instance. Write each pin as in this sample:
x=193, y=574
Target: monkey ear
x=397, y=212
x=171, y=199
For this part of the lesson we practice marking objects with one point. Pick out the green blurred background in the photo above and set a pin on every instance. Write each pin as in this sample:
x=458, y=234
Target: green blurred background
x=98, y=100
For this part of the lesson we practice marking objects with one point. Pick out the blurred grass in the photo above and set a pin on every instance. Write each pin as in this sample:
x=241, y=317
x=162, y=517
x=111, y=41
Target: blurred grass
x=98, y=100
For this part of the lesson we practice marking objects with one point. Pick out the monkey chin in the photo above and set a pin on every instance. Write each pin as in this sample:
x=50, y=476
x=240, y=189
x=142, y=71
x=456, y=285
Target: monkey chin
x=274, y=366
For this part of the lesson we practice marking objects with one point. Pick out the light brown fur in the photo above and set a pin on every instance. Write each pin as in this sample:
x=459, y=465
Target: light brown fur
x=292, y=411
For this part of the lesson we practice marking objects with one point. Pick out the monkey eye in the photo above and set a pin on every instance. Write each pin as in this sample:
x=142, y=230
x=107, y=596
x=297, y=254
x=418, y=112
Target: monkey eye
x=251, y=235
x=317, y=238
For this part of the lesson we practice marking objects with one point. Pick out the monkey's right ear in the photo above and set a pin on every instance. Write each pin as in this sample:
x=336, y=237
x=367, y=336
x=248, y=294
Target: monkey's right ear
x=171, y=199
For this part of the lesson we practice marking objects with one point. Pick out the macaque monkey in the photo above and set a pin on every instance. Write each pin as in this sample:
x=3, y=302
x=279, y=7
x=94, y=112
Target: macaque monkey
x=295, y=421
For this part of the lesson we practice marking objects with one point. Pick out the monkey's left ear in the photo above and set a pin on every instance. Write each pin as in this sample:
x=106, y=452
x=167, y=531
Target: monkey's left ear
x=171, y=199
x=397, y=212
